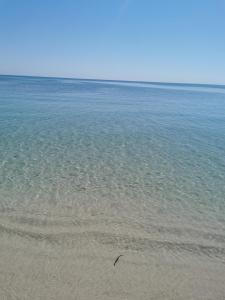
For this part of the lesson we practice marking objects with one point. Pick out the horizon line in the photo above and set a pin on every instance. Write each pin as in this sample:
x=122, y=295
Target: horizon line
x=115, y=80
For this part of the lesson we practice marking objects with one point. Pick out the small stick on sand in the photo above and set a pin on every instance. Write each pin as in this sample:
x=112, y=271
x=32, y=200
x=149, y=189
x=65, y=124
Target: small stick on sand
x=117, y=259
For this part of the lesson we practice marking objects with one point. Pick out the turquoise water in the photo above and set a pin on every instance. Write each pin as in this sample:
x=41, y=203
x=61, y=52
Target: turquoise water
x=147, y=153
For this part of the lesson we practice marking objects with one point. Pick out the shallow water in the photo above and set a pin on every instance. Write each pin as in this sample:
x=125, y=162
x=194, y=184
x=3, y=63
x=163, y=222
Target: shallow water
x=144, y=155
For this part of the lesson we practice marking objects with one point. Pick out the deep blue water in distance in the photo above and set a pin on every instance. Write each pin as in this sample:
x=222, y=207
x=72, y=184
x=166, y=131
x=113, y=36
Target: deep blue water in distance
x=145, y=152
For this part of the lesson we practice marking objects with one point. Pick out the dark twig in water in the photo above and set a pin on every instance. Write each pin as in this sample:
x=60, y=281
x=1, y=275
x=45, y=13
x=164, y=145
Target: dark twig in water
x=117, y=259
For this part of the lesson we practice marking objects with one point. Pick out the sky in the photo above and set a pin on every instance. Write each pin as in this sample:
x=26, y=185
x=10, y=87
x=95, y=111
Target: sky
x=146, y=40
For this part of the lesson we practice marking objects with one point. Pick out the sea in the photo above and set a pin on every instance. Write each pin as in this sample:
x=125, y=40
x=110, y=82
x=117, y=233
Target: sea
x=146, y=154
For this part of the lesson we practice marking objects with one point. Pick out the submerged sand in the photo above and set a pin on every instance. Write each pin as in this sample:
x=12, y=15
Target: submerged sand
x=64, y=258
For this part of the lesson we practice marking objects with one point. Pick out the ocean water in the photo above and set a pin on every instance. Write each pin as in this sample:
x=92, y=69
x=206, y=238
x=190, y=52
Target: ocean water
x=145, y=154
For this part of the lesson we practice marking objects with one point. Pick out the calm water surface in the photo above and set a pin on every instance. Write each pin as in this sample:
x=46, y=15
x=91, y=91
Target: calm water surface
x=145, y=153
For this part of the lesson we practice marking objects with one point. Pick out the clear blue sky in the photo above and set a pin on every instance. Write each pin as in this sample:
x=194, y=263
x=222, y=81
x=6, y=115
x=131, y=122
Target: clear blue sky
x=152, y=40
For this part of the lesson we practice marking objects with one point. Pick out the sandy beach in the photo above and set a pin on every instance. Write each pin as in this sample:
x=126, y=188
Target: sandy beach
x=112, y=150
x=42, y=258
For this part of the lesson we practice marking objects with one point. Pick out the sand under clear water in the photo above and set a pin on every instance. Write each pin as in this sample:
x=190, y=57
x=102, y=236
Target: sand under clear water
x=90, y=170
